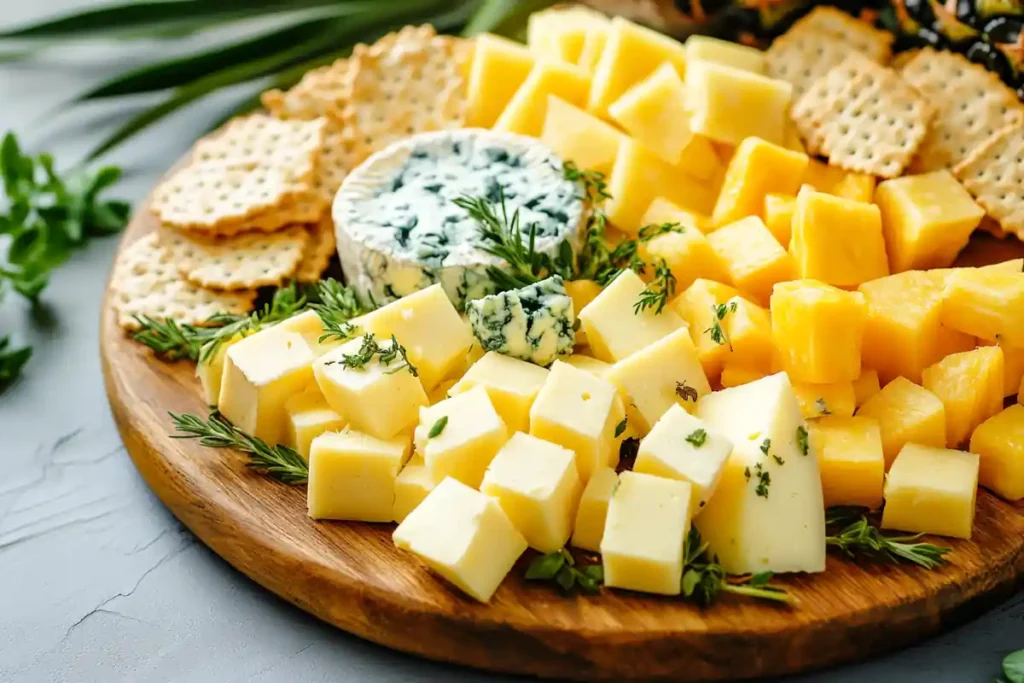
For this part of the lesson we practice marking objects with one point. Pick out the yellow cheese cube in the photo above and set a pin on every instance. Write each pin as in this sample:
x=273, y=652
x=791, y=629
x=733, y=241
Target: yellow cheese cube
x=511, y=384
x=464, y=536
x=822, y=177
x=817, y=400
x=749, y=332
x=753, y=258
x=735, y=375
x=757, y=169
x=380, y=400
x=791, y=138
x=614, y=331
x=985, y=303
x=866, y=386
x=927, y=220
x=261, y=373
x=999, y=441
x=352, y=476
x=686, y=252
x=440, y=392
x=592, y=511
x=560, y=33
x=536, y=484
x=309, y=416
x=309, y=325
x=580, y=137
x=578, y=411
x=860, y=187
x=767, y=513
x=499, y=67
x=411, y=486
x=210, y=371
x=906, y=413
x=647, y=523
x=729, y=104
x=1013, y=370
x=662, y=210
x=849, y=451
x=931, y=491
x=699, y=306
x=527, y=109
x=778, y=216
x=724, y=52
x=595, y=367
x=582, y=292
x=838, y=241
x=970, y=386
x=818, y=330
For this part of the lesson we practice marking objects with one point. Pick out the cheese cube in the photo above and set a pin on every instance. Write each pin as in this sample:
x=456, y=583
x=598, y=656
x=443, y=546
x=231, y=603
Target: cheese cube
x=682, y=447
x=580, y=137
x=985, y=303
x=499, y=67
x=582, y=292
x=817, y=400
x=724, y=52
x=931, y=491
x=823, y=177
x=593, y=509
x=595, y=367
x=838, y=241
x=753, y=257
x=578, y=411
x=210, y=371
x=471, y=434
x=511, y=384
x=352, y=476
x=1013, y=370
x=309, y=325
x=757, y=169
x=614, y=331
x=536, y=484
x=849, y=452
x=860, y=187
x=736, y=375
x=999, y=441
x=729, y=104
x=773, y=519
x=699, y=306
x=906, y=413
x=686, y=252
x=645, y=529
x=527, y=109
x=411, y=486
x=464, y=536
x=261, y=373
x=428, y=326
x=749, y=333
x=309, y=416
x=778, y=216
x=559, y=33
x=659, y=376
x=380, y=400
x=441, y=391
x=818, y=330
x=866, y=386
x=927, y=220
x=662, y=210
x=970, y=386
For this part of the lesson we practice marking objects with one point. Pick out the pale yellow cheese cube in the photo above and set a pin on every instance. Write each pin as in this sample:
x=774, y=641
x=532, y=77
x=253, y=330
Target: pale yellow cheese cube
x=661, y=210
x=499, y=67
x=441, y=391
x=527, y=109
x=210, y=371
x=647, y=524
x=833, y=398
x=582, y=292
x=999, y=441
x=381, y=400
x=593, y=47
x=661, y=375
x=588, y=527
x=261, y=372
x=560, y=32
x=595, y=367
x=471, y=433
x=614, y=331
x=682, y=447
x=309, y=416
x=309, y=325
x=578, y=411
x=729, y=104
x=725, y=52
x=580, y=137
x=512, y=385
x=931, y=491
x=537, y=486
x=411, y=486
x=352, y=476
x=866, y=386
x=849, y=452
x=464, y=536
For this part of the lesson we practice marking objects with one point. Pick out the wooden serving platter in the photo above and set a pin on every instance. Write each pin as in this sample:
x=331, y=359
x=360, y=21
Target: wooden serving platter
x=350, y=574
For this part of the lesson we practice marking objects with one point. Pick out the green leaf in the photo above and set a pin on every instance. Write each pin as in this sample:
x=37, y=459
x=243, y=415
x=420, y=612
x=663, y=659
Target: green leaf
x=507, y=17
x=691, y=579
x=11, y=362
x=566, y=578
x=545, y=567
x=1013, y=667
x=762, y=579
x=438, y=427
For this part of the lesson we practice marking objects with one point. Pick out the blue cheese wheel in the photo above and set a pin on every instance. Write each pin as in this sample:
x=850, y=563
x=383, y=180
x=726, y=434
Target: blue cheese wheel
x=400, y=231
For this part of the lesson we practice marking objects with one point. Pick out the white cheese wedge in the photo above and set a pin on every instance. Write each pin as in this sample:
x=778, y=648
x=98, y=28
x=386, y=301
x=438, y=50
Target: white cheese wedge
x=411, y=487
x=512, y=385
x=588, y=527
x=767, y=513
x=309, y=416
x=352, y=476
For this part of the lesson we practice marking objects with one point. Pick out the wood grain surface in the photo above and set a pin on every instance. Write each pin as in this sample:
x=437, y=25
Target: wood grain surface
x=350, y=574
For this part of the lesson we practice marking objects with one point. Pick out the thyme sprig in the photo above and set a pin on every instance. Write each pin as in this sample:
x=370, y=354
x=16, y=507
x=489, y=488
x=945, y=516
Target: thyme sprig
x=561, y=568
x=656, y=294
x=856, y=537
x=337, y=306
x=385, y=354
x=716, y=331
x=704, y=579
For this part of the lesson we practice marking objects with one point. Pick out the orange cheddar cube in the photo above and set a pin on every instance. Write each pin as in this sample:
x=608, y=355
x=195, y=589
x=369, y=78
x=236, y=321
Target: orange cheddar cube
x=860, y=187
x=753, y=258
x=685, y=250
x=735, y=375
x=906, y=413
x=699, y=305
x=849, y=451
x=866, y=386
x=778, y=216
x=662, y=210
x=985, y=303
x=999, y=441
x=822, y=177
x=749, y=329
x=757, y=169
x=821, y=400
x=931, y=491
x=527, y=109
x=499, y=67
x=970, y=386
x=580, y=137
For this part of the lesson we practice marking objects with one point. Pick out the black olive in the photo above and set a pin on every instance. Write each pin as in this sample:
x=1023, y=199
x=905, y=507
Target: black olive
x=933, y=38
x=920, y=11
x=967, y=12
x=990, y=57
x=1003, y=29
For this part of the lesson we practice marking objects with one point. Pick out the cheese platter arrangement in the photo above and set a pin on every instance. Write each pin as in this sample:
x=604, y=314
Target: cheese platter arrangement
x=600, y=356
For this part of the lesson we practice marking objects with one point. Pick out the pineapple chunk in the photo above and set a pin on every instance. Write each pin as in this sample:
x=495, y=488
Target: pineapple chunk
x=906, y=413
x=818, y=330
x=662, y=210
x=985, y=303
x=838, y=241
x=757, y=169
x=999, y=441
x=749, y=330
x=820, y=400
x=849, y=451
x=698, y=306
x=527, y=109
x=866, y=386
x=927, y=220
x=970, y=386
x=860, y=187
x=730, y=105
x=736, y=375
x=687, y=253
x=778, y=216
x=499, y=67
x=931, y=491
x=579, y=137
x=724, y=52
x=753, y=258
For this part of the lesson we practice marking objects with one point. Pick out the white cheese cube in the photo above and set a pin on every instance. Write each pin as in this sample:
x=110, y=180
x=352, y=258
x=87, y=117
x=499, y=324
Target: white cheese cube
x=471, y=434
x=380, y=400
x=642, y=547
x=309, y=416
x=593, y=509
x=210, y=371
x=352, y=476
x=767, y=513
x=580, y=412
x=309, y=325
x=592, y=365
x=464, y=536
x=659, y=376
x=614, y=331
x=261, y=373
x=428, y=326
x=683, y=447
x=411, y=487
x=536, y=484
x=512, y=385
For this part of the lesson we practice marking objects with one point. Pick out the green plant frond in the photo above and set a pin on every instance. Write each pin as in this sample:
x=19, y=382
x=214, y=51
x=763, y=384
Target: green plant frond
x=503, y=16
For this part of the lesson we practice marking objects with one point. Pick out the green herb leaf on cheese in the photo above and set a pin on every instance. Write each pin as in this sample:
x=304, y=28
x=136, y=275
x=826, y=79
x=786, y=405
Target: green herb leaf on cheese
x=656, y=294
x=620, y=428
x=649, y=232
x=438, y=427
x=386, y=355
x=766, y=445
x=697, y=437
x=801, y=440
x=716, y=331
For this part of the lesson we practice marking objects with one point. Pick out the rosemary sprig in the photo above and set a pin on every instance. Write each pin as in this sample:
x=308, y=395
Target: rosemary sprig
x=704, y=578
x=280, y=462
x=337, y=306
x=172, y=340
x=386, y=355
x=560, y=567
x=657, y=293
x=649, y=232
x=855, y=536
x=716, y=331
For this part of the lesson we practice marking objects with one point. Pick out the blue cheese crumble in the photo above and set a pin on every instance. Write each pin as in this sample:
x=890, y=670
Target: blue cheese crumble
x=534, y=323
x=400, y=231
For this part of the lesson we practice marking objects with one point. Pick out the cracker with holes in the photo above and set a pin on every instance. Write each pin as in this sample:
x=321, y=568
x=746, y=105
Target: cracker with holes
x=318, y=93
x=316, y=257
x=864, y=118
x=145, y=282
x=971, y=105
x=337, y=158
x=994, y=174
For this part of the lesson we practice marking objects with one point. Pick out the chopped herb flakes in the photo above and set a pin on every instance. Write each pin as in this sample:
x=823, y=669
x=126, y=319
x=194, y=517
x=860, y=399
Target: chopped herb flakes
x=697, y=437
x=438, y=427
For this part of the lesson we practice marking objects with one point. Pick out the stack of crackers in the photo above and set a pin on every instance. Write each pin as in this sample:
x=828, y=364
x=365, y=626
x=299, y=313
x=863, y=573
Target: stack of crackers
x=252, y=206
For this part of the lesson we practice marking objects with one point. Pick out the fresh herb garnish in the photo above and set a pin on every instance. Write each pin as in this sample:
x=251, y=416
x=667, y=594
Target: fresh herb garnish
x=620, y=428
x=438, y=427
x=716, y=331
x=822, y=407
x=386, y=355
x=855, y=536
x=801, y=440
x=657, y=293
x=764, y=480
x=1013, y=668
x=337, y=306
x=704, y=579
x=649, y=232
x=686, y=392
x=11, y=361
x=697, y=437
x=766, y=446
x=560, y=567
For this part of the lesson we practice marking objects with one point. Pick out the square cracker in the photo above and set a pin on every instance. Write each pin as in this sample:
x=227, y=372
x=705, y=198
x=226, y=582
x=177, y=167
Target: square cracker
x=873, y=43
x=316, y=257
x=971, y=105
x=994, y=174
x=318, y=93
x=863, y=117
